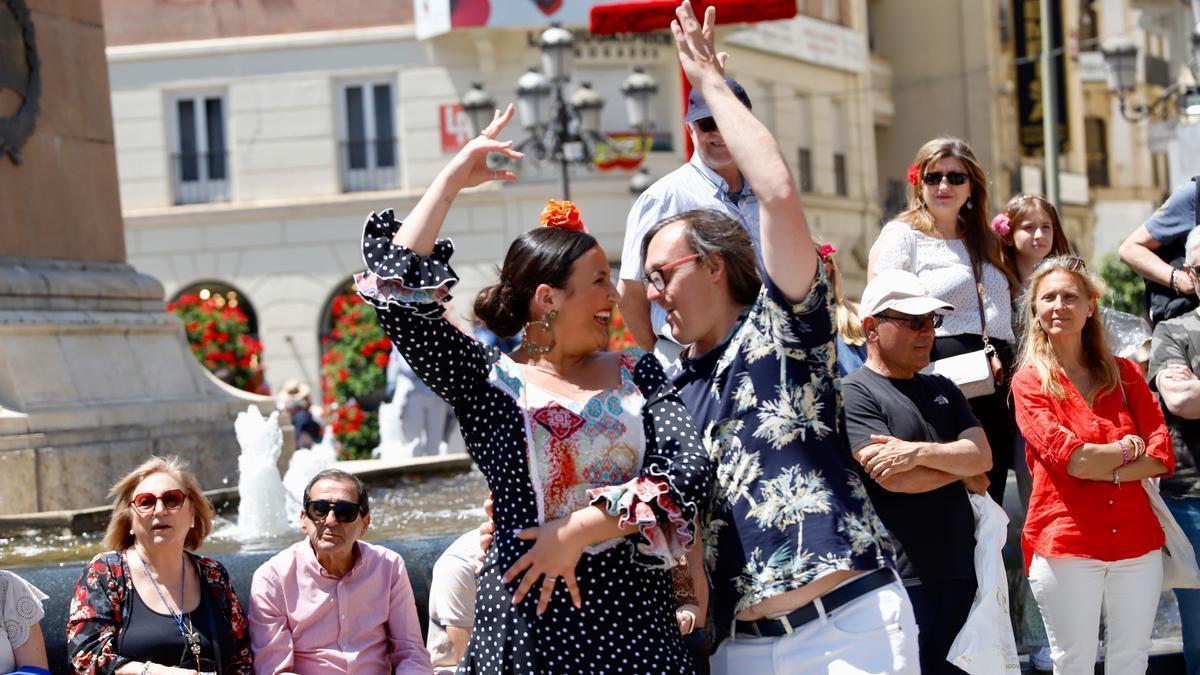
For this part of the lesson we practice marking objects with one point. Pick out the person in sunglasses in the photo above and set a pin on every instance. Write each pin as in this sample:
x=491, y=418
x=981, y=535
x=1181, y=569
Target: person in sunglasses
x=709, y=180
x=150, y=606
x=920, y=449
x=1093, y=431
x=943, y=236
x=333, y=603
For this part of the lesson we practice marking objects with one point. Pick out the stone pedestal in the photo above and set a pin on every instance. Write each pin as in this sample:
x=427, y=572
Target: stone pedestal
x=95, y=375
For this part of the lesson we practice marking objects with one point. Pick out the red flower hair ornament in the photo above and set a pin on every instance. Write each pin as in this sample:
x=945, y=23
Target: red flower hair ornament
x=914, y=174
x=562, y=214
x=826, y=250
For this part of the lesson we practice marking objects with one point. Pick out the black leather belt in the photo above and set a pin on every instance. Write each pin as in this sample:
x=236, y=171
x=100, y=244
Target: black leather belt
x=838, y=597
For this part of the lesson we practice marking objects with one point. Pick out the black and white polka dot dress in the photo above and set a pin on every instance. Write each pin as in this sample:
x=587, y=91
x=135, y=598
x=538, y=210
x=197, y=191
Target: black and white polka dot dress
x=627, y=622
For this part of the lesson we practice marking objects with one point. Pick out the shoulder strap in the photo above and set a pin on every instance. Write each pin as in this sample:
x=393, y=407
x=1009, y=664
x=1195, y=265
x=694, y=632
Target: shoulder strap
x=979, y=295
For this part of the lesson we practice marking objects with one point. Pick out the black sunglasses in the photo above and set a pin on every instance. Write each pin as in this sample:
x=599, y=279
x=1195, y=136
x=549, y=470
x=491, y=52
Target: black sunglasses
x=952, y=177
x=345, y=512
x=913, y=322
x=706, y=124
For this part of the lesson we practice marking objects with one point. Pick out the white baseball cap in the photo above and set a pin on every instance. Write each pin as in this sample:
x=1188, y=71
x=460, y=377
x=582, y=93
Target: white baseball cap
x=901, y=291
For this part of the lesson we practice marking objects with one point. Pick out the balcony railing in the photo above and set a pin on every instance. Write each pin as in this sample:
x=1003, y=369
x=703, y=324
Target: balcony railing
x=199, y=178
x=370, y=164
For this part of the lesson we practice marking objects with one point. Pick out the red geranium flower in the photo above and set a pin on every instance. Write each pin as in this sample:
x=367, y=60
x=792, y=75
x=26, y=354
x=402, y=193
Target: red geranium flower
x=914, y=174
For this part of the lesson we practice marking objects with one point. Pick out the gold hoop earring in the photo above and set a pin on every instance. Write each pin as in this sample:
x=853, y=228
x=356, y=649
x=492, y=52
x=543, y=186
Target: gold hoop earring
x=532, y=347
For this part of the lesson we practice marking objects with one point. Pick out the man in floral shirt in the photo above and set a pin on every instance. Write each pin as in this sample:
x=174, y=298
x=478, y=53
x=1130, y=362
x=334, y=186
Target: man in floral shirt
x=800, y=564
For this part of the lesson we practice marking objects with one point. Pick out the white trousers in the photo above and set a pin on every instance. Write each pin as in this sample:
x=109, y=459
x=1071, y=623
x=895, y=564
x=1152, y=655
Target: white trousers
x=875, y=633
x=1070, y=592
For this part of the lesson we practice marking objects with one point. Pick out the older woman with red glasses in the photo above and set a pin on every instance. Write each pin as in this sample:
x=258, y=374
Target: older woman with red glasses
x=943, y=237
x=149, y=605
x=1093, y=431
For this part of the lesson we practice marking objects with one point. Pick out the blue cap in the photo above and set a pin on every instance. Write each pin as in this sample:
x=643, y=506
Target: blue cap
x=698, y=108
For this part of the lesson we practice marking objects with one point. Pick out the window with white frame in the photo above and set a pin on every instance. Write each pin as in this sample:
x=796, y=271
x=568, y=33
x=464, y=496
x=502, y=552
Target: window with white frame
x=200, y=158
x=369, y=151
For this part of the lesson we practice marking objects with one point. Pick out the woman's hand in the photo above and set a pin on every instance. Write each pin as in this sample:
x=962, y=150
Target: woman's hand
x=687, y=618
x=469, y=167
x=555, y=554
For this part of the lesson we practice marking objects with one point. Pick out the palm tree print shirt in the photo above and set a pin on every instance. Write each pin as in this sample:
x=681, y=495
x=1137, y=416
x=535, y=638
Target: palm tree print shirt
x=786, y=507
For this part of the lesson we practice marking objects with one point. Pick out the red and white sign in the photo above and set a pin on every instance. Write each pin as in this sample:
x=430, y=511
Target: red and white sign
x=456, y=127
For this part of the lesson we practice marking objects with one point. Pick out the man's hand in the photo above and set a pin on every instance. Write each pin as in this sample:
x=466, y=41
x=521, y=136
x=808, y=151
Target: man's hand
x=697, y=54
x=888, y=455
x=1177, y=372
x=977, y=484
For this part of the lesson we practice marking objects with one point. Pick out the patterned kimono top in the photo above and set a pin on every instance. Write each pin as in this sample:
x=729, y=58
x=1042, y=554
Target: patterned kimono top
x=630, y=449
x=103, y=602
x=787, y=507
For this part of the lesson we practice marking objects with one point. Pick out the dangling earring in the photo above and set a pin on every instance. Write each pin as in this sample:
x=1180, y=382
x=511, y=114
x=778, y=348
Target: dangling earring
x=532, y=347
x=970, y=204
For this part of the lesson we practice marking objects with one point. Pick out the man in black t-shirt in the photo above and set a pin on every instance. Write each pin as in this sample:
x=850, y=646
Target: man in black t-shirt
x=919, y=449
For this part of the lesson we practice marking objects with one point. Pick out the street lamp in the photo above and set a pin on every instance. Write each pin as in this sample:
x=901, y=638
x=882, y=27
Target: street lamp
x=1120, y=57
x=569, y=132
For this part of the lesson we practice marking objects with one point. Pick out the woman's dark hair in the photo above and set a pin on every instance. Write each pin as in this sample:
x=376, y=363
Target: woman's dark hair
x=545, y=255
x=710, y=233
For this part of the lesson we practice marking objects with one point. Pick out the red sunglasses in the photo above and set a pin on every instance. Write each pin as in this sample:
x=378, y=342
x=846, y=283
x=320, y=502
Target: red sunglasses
x=146, y=501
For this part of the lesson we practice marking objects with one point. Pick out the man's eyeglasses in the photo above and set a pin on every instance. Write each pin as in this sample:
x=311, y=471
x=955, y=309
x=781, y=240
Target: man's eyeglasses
x=146, y=501
x=1071, y=263
x=659, y=280
x=953, y=177
x=706, y=124
x=913, y=322
x=345, y=512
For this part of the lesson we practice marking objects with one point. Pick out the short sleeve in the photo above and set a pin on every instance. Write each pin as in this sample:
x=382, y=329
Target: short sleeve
x=893, y=249
x=1166, y=349
x=864, y=415
x=646, y=211
x=1176, y=217
x=20, y=607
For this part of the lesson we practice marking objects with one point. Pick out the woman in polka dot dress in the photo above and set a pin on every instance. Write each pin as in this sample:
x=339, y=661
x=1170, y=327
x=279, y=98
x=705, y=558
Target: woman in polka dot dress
x=593, y=463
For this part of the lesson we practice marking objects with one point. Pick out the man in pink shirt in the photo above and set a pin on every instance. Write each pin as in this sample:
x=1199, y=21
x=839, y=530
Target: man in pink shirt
x=332, y=603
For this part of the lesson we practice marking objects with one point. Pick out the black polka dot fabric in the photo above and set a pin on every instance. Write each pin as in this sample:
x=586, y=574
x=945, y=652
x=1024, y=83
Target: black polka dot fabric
x=627, y=623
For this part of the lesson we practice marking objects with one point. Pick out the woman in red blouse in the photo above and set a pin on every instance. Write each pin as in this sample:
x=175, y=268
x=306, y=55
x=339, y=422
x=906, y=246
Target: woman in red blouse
x=1093, y=432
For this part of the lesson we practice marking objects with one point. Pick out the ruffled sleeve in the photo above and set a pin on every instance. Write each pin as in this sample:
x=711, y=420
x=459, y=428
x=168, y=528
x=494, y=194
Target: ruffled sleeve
x=409, y=292
x=21, y=605
x=663, y=500
x=397, y=276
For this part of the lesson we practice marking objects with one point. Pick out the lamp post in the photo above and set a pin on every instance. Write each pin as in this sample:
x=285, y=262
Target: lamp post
x=1120, y=57
x=561, y=128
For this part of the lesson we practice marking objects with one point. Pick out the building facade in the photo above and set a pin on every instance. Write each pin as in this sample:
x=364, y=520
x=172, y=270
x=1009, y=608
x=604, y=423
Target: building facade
x=253, y=139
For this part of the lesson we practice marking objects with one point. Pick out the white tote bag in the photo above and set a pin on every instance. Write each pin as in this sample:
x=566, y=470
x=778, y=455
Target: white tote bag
x=1179, y=557
x=985, y=645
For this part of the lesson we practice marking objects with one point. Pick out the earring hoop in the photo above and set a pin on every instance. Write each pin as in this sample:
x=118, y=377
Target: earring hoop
x=544, y=323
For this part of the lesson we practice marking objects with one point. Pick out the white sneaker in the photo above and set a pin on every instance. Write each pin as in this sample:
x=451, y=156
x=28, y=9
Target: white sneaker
x=1039, y=659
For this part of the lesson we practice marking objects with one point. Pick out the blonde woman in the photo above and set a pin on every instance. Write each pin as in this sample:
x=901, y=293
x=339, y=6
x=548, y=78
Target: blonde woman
x=943, y=237
x=149, y=606
x=851, y=340
x=1093, y=431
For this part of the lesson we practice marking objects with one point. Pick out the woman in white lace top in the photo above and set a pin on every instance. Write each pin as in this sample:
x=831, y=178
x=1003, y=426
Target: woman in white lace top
x=943, y=237
x=21, y=644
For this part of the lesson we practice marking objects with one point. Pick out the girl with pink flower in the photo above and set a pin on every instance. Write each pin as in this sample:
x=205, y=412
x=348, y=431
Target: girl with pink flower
x=1029, y=230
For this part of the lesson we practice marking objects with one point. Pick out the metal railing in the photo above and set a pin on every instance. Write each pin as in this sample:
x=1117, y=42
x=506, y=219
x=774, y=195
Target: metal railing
x=370, y=164
x=199, y=178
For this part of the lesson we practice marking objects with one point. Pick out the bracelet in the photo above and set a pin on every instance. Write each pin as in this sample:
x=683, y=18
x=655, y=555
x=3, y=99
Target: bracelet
x=1125, y=451
x=1139, y=447
x=1117, y=477
x=1174, y=288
